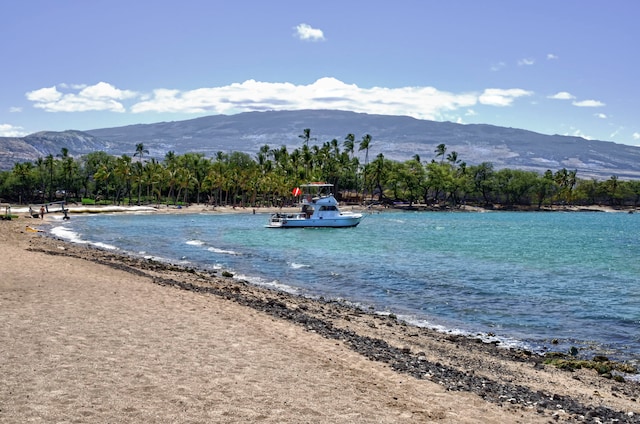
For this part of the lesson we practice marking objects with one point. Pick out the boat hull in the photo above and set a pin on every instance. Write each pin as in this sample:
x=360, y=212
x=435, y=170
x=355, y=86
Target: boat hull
x=342, y=221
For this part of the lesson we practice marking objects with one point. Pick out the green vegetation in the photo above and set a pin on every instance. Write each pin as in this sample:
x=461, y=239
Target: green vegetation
x=238, y=179
x=600, y=364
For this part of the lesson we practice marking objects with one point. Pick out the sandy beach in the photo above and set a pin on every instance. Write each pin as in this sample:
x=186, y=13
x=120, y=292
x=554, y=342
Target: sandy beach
x=89, y=336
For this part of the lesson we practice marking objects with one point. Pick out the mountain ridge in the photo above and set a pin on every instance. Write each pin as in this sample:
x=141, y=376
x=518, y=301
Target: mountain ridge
x=397, y=137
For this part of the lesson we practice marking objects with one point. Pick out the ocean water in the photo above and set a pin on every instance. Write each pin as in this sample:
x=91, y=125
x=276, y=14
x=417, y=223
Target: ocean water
x=523, y=278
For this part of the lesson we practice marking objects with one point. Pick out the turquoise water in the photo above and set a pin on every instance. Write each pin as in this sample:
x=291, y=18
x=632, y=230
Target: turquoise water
x=523, y=278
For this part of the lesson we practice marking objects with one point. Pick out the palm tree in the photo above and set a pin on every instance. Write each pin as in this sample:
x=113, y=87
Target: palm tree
x=69, y=167
x=22, y=171
x=349, y=144
x=306, y=136
x=441, y=149
x=170, y=159
x=138, y=171
x=41, y=165
x=154, y=175
x=453, y=158
x=122, y=173
x=64, y=154
x=140, y=151
x=50, y=162
x=379, y=173
x=184, y=179
x=364, y=145
x=199, y=167
x=103, y=175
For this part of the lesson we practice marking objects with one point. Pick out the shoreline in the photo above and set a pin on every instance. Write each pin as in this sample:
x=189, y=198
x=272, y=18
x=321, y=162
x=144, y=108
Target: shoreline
x=544, y=345
x=204, y=208
x=540, y=349
x=502, y=381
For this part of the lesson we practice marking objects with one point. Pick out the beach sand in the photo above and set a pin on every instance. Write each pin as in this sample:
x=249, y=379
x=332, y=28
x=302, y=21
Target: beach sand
x=88, y=336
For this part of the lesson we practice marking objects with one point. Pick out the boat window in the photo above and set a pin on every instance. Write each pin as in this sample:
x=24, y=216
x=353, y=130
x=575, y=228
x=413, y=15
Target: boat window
x=328, y=208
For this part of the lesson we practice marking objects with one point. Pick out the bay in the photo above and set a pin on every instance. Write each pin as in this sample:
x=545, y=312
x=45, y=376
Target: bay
x=539, y=281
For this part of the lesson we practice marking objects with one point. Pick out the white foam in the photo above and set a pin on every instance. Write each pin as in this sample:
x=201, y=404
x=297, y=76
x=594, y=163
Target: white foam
x=73, y=237
x=104, y=246
x=195, y=243
x=295, y=265
x=67, y=234
x=503, y=342
x=274, y=284
x=155, y=258
x=632, y=377
x=222, y=251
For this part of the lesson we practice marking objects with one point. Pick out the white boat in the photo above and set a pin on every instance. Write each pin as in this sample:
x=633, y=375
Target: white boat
x=318, y=209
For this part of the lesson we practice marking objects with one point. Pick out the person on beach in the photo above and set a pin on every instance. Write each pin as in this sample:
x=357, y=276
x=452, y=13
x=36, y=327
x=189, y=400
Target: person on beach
x=42, y=212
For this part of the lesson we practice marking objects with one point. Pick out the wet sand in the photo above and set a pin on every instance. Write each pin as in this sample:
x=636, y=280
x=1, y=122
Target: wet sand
x=91, y=336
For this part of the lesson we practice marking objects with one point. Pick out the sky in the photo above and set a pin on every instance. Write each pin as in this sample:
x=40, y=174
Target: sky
x=568, y=67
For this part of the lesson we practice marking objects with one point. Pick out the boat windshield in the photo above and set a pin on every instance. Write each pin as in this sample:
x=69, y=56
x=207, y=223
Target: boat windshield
x=317, y=189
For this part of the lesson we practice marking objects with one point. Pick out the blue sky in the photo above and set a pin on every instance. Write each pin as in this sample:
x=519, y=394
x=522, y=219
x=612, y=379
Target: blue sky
x=556, y=67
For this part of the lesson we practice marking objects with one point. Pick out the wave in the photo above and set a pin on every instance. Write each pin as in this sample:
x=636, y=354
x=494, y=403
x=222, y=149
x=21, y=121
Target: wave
x=222, y=251
x=195, y=243
x=104, y=246
x=200, y=243
x=67, y=234
x=273, y=284
x=74, y=237
x=501, y=341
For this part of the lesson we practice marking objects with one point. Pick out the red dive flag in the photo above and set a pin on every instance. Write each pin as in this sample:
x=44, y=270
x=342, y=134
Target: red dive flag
x=296, y=192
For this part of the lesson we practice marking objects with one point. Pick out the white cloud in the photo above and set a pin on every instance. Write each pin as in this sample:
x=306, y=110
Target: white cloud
x=420, y=102
x=601, y=115
x=307, y=33
x=502, y=97
x=562, y=95
x=44, y=95
x=8, y=130
x=102, y=90
x=99, y=97
x=15, y=109
x=325, y=93
x=526, y=62
x=588, y=103
x=551, y=56
x=636, y=136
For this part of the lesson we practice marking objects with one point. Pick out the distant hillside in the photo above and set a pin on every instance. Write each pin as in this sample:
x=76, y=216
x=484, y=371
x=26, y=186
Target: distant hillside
x=397, y=137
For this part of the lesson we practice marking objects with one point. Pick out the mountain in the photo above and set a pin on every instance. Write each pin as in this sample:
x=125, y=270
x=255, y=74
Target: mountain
x=397, y=137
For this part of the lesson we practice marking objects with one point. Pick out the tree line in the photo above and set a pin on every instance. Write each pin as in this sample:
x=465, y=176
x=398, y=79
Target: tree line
x=266, y=179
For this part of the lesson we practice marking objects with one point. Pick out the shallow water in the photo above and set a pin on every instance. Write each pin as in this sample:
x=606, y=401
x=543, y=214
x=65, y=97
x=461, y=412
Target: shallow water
x=525, y=278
